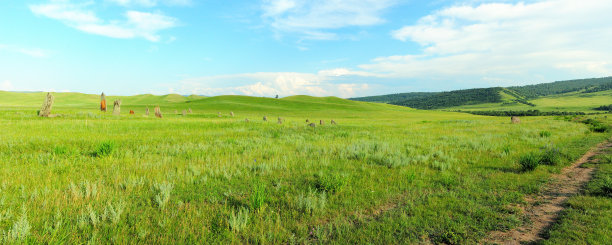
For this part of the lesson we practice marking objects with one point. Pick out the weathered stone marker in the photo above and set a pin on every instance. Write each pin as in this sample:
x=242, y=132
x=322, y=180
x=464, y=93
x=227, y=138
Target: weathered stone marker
x=117, y=107
x=321, y=122
x=158, y=112
x=515, y=120
x=45, y=111
x=265, y=119
x=103, y=102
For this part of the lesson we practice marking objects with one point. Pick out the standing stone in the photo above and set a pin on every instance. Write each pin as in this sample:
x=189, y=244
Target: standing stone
x=45, y=111
x=147, y=112
x=184, y=113
x=515, y=120
x=103, y=102
x=321, y=122
x=158, y=112
x=117, y=107
x=265, y=119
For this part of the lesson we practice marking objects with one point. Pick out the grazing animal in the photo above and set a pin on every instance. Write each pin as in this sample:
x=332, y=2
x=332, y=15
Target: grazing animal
x=117, y=107
x=131, y=112
x=158, y=112
x=103, y=102
x=232, y=113
x=265, y=118
x=515, y=120
x=333, y=122
x=313, y=125
x=321, y=122
x=45, y=111
x=307, y=121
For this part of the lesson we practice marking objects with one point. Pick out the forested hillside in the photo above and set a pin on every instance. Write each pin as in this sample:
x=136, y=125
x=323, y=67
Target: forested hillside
x=454, y=98
x=508, y=96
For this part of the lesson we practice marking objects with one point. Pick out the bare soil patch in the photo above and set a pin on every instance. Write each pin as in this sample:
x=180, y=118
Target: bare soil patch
x=543, y=209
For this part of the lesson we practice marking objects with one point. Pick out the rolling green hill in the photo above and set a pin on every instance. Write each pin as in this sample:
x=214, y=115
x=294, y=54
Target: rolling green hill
x=582, y=95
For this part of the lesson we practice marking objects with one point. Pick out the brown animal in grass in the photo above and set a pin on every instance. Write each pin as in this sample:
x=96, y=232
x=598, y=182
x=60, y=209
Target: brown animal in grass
x=515, y=120
x=131, y=112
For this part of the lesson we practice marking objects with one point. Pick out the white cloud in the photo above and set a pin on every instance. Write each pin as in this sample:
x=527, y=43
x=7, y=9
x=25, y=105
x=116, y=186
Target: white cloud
x=269, y=84
x=513, y=41
x=6, y=86
x=136, y=24
x=316, y=19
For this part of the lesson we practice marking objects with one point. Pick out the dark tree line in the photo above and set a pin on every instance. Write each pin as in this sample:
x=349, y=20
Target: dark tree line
x=454, y=98
x=604, y=108
x=527, y=113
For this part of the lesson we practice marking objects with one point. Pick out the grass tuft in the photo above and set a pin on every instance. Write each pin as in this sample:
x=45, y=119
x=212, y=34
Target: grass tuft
x=529, y=162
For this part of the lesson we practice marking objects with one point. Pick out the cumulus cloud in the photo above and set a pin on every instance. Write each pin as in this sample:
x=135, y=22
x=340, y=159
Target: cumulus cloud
x=136, y=24
x=33, y=52
x=516, y=41
x=270, y=84
x=316, y=19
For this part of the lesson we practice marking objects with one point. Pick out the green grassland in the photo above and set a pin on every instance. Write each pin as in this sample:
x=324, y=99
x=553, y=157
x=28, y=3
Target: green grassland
x=384, y=174
x=588, y=218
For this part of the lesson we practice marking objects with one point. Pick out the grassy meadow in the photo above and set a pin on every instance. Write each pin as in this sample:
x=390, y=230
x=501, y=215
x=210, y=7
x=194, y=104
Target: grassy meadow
x=384, y=174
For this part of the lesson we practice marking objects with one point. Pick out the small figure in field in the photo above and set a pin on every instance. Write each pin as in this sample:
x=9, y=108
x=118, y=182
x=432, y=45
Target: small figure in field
x=131, y=112
x=117, y=107
x=333, y=122
x=184, y=113
x=321, y=122
x=232, y=113
x=246, y=120
x=190, y=111
x=45, y=111
x=515, y=120
x=158, y=112
x=265, y=119
x=103, y=102
x=219, y=114
x=147, y=112
x=307, y=121
x=277, y=96
x=280, y=120
x=313, y=125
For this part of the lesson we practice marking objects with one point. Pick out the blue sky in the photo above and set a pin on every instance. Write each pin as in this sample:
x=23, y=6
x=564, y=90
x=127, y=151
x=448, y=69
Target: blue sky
x=342, y=48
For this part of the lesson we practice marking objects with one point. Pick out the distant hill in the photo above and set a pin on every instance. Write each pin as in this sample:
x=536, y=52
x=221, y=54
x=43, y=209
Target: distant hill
x=523, y=97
